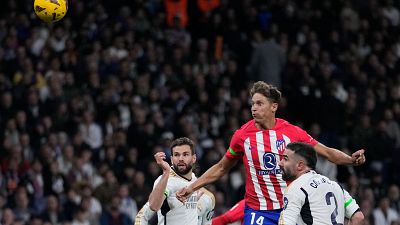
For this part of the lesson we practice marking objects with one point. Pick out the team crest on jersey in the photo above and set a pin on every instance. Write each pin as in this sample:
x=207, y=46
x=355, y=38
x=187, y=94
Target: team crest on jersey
x=285, y=203
x=280, y=145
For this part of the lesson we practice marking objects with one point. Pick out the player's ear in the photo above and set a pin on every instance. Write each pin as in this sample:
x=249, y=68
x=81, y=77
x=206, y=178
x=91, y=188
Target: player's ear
x=194, y=158
x=274, y=107
x=301, y=165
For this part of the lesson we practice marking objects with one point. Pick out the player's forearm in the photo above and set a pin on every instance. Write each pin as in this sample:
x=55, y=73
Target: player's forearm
x=157, y=196
x=333, y=155
x=338, y=157
x=210, y=176
x=213, y=174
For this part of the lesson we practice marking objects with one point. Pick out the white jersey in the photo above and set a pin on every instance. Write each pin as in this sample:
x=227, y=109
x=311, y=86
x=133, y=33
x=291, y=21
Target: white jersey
x=174, y=211
x=205, y=207
x=205, y=210
x=144, y=215
x=314, y=199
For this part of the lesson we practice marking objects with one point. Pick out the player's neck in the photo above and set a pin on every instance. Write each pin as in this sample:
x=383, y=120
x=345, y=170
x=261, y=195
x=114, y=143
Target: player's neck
x=187, y=176
x=303, y=172
x=266, y=124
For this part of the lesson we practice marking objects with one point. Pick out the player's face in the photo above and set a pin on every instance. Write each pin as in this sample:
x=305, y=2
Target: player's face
x=288, y=165
x=183, y=159
x=262, y=108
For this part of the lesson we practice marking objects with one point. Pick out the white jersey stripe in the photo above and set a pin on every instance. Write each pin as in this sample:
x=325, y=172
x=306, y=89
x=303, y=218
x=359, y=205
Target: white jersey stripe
x=279, y=176
x=286, y=138
x=253, y=173
x=261, y=151
x=271, y=189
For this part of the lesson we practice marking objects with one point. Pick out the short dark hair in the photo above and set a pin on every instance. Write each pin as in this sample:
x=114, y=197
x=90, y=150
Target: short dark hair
x=306, y=151
x=268, y=90
x=182, y=141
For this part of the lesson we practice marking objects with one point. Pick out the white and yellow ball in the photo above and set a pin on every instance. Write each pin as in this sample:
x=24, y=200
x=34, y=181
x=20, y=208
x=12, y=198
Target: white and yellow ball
x=50, y=10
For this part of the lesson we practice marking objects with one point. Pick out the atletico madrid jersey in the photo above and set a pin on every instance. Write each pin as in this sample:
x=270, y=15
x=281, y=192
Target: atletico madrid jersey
x=261, y=151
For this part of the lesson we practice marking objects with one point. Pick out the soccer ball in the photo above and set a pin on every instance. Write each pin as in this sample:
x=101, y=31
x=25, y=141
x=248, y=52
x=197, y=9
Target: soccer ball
x=50, y=10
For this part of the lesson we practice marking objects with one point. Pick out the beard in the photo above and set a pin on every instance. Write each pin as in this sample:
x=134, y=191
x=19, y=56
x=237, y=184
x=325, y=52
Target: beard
x=287, y=175
x=183, y=170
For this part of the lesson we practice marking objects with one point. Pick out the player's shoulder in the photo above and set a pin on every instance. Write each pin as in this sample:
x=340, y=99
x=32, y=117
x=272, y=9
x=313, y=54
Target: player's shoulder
x=284, y=124
x=207, y=196
x=250, y=125
x=301, y=183
x=175, y=179
x=245, y=129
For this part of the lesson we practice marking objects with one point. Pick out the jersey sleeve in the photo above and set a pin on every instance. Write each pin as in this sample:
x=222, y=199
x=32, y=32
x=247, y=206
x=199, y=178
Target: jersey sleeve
x=350, y=205
x=235, y=150
x=236, y=213
x=303, y=136
x=144, y=215
x=205, y=208
x=292, y=204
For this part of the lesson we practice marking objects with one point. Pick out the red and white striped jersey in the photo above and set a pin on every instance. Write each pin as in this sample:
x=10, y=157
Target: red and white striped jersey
x=261, y=151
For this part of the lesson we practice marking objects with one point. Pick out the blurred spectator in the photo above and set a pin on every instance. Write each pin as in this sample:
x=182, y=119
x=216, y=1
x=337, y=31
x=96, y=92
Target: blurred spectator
x=36, y=185
x=139, y=190
x=394, y=197
x=94, y=206
x=7, y=217
x=128, y=206
x=267, y=60
x=53, y=212
x=107, y=189
x=87, y=207
x=383, y=214
x=112, y=214
x=80, y=218
x=65, y=161
x=91, y=131
x=22, y=210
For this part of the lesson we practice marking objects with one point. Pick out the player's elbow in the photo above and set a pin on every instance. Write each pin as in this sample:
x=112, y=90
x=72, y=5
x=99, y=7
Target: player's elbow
x=154, y=207
x=357, y=218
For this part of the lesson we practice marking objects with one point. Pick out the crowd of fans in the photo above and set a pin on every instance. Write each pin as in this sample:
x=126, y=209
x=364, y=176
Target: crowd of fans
x=87, y=101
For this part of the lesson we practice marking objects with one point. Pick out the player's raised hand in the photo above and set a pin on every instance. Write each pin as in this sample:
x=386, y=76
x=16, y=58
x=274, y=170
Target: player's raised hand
x=358, y=157
x=160, y=158
x=184, y=193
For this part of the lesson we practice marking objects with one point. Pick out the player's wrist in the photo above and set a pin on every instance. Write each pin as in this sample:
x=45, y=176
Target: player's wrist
x=190, y=189
x=166, y=171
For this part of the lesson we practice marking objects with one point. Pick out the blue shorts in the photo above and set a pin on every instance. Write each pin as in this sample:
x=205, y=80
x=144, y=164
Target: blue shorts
x=261, y=217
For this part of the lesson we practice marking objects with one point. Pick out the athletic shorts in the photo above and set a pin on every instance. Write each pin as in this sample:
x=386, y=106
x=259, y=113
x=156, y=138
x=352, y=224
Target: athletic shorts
x=261, y=217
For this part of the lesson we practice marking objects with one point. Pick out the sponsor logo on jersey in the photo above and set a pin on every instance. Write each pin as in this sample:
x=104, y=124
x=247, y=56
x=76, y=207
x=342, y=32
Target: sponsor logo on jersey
x=191, y=203
x=269, y=160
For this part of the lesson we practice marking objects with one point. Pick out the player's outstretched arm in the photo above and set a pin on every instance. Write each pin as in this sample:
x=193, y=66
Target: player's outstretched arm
x=338, y=157
x=211, y=175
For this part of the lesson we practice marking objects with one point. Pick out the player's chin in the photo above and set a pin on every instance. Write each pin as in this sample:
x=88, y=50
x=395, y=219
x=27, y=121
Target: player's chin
x=182, y=168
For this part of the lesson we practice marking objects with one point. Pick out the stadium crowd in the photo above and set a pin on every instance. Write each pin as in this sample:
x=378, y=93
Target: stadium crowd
x=86, y=102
